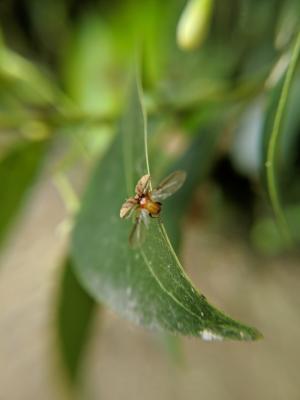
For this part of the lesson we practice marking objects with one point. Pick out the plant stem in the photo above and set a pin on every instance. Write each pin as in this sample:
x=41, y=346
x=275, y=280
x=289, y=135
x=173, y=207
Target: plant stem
x=274, y=142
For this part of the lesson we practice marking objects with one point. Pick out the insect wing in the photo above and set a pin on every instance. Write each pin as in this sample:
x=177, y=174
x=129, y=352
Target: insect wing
x=128, y=207
x=168, y=186
x=138, y=233
x=142, y=185
x=145, y=218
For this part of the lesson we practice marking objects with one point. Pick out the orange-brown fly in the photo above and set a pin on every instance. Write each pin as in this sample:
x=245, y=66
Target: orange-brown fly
x=147, y=203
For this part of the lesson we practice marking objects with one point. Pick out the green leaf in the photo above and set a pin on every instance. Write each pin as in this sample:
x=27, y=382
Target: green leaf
x=23, y=79
x=17, y=172
x=147, y=285
x=75, y=316
x=197, y=162
x=274, y=143
x=91, y=53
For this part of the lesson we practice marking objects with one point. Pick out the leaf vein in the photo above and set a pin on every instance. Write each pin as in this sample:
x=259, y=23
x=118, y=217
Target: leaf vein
x=166, y=290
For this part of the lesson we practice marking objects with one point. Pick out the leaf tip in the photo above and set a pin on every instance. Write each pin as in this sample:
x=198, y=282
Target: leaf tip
x=250, y=334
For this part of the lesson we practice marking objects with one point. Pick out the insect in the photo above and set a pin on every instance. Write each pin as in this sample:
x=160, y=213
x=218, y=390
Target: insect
x=147, y=203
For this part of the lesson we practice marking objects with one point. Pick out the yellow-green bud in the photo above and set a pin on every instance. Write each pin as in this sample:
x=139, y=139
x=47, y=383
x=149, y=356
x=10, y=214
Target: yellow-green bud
x=193, y=25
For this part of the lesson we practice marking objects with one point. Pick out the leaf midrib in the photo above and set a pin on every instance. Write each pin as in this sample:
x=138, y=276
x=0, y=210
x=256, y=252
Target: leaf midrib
x=162, y=230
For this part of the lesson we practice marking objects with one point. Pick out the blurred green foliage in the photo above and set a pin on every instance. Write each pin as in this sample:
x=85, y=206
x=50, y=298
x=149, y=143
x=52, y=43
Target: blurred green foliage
x=17, y=171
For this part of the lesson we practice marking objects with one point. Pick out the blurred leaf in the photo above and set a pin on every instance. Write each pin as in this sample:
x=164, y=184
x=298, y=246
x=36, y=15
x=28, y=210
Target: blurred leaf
x=24, y=79
x=75, y=316
x=196, y=162
x=266, y=236
x=245, y=151
x=147, y=285
x=17, y=172
x=274, y=143
x=92, y=76
x=290, y=128
x=49, y=25
x=196, y=78
x=287, y=23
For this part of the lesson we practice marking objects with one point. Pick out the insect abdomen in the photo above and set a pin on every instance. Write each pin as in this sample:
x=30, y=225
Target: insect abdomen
x=153, y=207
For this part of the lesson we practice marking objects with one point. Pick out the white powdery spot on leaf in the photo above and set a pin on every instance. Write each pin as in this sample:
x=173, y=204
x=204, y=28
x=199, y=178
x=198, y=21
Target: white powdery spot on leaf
x=209, y=335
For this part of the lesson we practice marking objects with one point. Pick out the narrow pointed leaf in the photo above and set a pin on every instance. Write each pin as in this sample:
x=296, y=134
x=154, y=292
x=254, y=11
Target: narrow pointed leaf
x=17, y=172
x=74, y=318
x=196, y=161
x=146, y=285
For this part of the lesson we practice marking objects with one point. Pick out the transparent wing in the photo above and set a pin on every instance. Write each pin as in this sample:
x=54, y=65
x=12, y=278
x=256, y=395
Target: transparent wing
x=168, y=186
x=145, y=217
x=138, y=232
x=128, y=207
x=142, y=185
